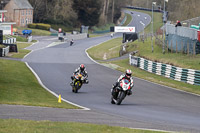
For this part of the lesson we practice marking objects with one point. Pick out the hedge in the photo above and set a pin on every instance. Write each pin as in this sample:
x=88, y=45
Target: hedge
x=39, y=26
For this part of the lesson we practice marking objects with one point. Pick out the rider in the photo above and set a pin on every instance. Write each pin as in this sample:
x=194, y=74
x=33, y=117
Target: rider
x=81, y=70
x=127, y=76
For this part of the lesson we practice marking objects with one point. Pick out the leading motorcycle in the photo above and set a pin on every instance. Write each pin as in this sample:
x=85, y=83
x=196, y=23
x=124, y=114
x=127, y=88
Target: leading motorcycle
x=120, y=92
x=77, y=82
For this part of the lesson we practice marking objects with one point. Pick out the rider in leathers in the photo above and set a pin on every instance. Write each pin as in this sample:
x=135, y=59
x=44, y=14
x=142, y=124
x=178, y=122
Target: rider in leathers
x=127, y=76
x=83, y=71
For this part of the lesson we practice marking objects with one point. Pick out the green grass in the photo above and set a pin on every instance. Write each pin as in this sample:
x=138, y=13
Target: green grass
x=128, y=20
x=63, y=27
x=180, y=60
x=27, y=126
x=19, y=86
x=21, y=51
x=110, y=49
x=124, y=64
x=176, y=59
x=157, y=20
x=37, y=32
x=103, y=27
x=20, y=39
x=2, y=46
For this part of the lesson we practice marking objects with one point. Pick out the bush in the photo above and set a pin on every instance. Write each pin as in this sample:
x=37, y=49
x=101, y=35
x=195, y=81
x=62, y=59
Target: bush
x=33, y=26
x=39, y=26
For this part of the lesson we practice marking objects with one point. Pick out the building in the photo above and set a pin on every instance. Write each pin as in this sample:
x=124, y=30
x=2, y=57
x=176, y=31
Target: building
x=7, y=27
x=19, y=11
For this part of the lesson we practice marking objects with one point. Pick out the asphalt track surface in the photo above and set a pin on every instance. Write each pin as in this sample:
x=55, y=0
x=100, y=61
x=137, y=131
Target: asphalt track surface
x=151, y=106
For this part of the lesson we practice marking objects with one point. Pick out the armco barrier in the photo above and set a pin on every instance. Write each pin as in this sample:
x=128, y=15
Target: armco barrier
x=176, y=73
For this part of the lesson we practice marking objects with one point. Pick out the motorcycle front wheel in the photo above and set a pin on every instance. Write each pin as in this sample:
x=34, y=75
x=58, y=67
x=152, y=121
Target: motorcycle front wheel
x=120, y=97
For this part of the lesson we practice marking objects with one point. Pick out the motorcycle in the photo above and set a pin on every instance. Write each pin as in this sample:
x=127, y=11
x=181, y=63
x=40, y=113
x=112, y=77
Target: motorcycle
x=120, y=92
x=78, y=82
x=71, y=42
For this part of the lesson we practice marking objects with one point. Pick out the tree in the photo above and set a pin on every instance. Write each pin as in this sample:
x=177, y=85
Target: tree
x=88, y=11
x=54, y=11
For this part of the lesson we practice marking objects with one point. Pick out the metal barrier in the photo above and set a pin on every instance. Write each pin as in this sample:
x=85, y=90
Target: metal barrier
x=176, y=73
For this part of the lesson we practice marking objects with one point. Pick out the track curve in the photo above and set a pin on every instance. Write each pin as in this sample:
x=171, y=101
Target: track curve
x=152, y=105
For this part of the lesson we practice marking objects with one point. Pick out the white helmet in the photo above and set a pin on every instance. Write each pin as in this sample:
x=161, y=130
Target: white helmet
x=128, y=73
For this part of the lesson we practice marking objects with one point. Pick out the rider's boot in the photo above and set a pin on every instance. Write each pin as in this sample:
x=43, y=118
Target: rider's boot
x=72, y=83
x=129, y=92
x=86, y=81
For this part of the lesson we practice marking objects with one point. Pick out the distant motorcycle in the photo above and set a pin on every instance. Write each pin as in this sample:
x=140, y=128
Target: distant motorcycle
x=71, y=42
x=78, y=82
x=120, y=92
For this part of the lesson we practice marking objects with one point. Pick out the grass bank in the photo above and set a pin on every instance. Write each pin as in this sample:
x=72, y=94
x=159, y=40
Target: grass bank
x=128, y=19
x=19, y=86
x=27, y=126
x=157, y=20
x=37, y=32
x=144, y=50
x=107, y=50
x=122, y=65
x=21, y=51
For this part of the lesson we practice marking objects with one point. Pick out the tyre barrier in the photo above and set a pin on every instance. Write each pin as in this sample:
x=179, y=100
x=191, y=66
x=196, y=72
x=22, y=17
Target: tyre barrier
x=12, y=47
x=4, y=51
x=189, y=76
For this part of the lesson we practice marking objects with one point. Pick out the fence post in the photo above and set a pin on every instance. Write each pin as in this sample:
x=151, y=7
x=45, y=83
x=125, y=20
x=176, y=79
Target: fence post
x=182, y=47
x=194, y=49
x=167, y=46
x=188, y=51
x=176, y=46
x=171, y=47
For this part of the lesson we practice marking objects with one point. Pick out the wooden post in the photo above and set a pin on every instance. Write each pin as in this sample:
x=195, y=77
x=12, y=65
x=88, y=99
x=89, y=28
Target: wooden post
x=176, y=46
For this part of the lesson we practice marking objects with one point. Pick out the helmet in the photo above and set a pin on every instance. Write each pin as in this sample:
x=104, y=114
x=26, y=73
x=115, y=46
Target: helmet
x=128, y=73
x=82, y=67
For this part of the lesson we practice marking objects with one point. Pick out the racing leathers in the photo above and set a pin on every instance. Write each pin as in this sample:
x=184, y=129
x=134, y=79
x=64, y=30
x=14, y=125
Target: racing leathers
x=83, y=72
x=123, y=76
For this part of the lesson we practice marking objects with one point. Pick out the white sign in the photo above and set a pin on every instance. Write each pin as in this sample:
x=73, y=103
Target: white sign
x=124, y=29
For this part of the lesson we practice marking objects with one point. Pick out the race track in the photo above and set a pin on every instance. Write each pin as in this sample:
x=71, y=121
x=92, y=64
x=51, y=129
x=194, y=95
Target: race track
x=151, y=105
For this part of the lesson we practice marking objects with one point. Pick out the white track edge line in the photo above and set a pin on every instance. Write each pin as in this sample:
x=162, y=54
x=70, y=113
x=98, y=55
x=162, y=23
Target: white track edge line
x=84, y=108
x=40, y=82
x=141, y=78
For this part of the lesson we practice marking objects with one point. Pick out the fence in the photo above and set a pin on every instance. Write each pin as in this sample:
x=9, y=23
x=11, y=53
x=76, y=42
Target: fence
x=176, y=73
x=182, y=31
